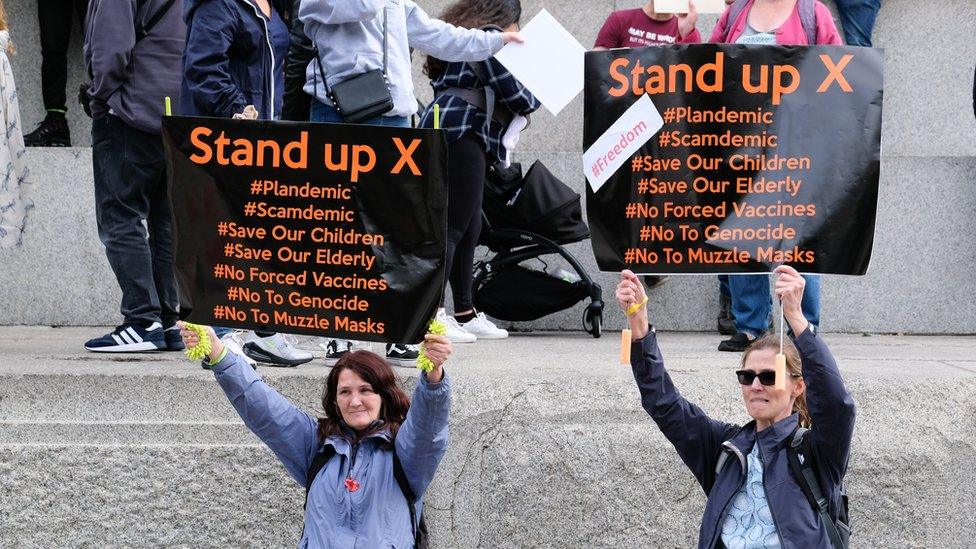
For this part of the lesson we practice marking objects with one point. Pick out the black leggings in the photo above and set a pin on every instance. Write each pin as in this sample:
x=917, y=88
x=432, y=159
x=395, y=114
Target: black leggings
x=465, y=182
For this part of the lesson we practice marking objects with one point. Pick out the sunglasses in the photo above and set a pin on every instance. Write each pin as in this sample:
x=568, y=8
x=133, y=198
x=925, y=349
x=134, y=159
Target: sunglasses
x=766, y=377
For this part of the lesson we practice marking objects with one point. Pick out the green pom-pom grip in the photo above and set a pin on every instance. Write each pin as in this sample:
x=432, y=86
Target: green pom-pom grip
x=423, y=362
x=202, y=349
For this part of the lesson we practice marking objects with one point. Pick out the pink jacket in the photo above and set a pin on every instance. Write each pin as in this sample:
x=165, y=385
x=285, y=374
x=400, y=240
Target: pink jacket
x=789, y=33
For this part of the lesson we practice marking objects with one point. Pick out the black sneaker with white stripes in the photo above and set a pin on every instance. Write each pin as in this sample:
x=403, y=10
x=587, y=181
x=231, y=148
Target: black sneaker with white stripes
x=129, y=338
x=171, y=335
x=402, y=355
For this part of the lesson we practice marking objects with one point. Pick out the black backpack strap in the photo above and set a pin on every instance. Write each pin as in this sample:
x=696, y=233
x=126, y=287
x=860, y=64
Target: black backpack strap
x=418, y=526
x=800, y=457
x=318, y=462
x=143, y=31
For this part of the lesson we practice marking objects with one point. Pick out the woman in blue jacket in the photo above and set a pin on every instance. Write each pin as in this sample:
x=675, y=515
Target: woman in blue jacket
x=754, y=501
x=354, y=500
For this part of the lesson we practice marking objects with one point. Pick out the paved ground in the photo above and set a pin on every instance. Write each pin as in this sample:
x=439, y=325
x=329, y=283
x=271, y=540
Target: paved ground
x=60, y=350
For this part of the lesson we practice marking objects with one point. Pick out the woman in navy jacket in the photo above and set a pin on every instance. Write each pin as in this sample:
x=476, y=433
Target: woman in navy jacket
x=754, y=501
x=234, y=57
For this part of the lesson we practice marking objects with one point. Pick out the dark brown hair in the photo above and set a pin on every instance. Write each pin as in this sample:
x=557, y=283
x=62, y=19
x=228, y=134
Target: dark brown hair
x=374, y=370
x=474, y=14
x=794, y=366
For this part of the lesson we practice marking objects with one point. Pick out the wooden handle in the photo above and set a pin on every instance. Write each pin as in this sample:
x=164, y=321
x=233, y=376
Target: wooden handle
x=625, y=343
x=780, y=372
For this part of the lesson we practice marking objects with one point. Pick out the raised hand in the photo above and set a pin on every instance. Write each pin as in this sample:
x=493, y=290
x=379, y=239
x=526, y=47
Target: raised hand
x=192, y=339
x=629, y=293
x=687, y=21
x=789, y=289
x=512, y=37
x=438, y=349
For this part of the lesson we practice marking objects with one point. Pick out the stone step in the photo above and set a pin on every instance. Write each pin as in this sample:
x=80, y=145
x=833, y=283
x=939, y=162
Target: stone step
x=549, y=446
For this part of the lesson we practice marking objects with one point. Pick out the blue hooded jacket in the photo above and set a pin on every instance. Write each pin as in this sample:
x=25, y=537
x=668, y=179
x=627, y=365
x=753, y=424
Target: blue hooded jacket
x=700, y=440
x=375, y=515
x=234, y=57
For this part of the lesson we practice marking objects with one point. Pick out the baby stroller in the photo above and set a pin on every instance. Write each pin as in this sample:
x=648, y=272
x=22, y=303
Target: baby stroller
x=527, y=218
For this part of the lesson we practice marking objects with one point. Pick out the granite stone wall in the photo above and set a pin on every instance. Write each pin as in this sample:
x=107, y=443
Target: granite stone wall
x=917, y=283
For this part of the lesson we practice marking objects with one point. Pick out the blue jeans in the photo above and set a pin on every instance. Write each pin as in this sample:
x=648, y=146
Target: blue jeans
x=326, y=113
x=752, y=302
x=857, y=18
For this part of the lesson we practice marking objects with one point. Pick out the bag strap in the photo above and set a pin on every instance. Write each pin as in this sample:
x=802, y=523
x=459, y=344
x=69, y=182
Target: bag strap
x=734, y=11
x=800, y=458
x=401, y=480
x=384, y=39
x=318, y=462
x=808, y=19
x=318, y=58
x=143, y=30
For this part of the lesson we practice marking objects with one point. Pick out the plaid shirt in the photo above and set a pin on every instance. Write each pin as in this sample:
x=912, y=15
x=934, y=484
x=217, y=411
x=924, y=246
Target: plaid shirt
x=459, y=117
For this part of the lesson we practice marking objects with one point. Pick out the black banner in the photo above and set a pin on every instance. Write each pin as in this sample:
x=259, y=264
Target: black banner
x=321, y=229
x=768, y=155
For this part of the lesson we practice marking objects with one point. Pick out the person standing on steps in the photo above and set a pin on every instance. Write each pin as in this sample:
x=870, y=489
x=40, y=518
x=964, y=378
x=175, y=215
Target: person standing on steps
x=234, y=67
x=55, y=18
x=380, y=35
x=132, y=50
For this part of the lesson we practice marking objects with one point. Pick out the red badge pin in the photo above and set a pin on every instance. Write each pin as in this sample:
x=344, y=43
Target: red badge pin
x=351, y=484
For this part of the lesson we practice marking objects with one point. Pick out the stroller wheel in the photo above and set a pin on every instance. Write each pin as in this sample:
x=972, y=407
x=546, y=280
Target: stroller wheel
x=593, y=319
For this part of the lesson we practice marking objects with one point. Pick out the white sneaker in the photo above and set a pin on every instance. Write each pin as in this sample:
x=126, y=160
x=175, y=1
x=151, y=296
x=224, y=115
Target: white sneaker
x=232, y=342
x=276, y=349
x=455, y=332
x=483, y=328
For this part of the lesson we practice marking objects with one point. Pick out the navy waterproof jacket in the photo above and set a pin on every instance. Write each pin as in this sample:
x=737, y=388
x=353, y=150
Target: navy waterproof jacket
x=700, y=440
x=229, y=61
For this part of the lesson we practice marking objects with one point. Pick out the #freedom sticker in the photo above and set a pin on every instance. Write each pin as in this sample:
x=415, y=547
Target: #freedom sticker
x=634, y=127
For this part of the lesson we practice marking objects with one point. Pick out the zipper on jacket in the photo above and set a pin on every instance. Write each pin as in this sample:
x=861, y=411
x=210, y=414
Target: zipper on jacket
x=717, y=534
x=352, y=456
x=354, y=451
x=766, y=493
x=267, y=38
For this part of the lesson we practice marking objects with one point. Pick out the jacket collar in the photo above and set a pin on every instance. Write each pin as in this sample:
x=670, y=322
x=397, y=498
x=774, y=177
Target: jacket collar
x=343, y=443
x=772, y=439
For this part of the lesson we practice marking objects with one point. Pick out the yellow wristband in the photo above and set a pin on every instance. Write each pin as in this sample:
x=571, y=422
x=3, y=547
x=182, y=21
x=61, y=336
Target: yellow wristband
x=220, y=357
x=636, y=307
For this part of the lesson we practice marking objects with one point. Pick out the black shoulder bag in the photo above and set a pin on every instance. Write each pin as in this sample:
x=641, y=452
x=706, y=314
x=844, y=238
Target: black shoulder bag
x=363, y=96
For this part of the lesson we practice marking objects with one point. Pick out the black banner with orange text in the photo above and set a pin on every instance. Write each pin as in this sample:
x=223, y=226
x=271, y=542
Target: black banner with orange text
x=320, y=229
x=767, y=155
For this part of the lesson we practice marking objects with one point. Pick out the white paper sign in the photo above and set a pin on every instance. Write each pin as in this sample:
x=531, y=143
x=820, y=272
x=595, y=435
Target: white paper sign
x=549, y=63
x=615, y=147
x=681, y=6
